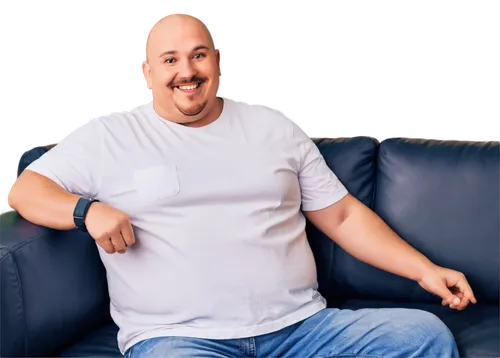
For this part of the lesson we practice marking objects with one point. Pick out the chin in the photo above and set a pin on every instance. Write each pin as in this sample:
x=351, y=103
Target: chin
x=190, y=121
x=193, y=111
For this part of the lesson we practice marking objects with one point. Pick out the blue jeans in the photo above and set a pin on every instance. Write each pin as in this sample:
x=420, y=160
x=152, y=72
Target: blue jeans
x=391, y=332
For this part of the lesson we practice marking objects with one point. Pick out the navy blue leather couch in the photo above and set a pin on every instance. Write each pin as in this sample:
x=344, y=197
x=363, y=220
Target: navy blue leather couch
x=440, y=196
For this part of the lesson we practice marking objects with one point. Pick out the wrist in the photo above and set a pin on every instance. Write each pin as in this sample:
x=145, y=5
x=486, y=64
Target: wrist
x=90, y=211
x=80, y=212
x=427, y=268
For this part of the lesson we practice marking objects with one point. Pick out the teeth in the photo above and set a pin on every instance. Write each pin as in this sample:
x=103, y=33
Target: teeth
x=191, y=87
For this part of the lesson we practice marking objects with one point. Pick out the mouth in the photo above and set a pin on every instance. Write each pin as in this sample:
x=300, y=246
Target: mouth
x=190, y=87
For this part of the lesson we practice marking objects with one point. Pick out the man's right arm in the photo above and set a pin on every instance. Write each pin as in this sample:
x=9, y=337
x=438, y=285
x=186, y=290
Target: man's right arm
x=47, y=191
x=43, y=202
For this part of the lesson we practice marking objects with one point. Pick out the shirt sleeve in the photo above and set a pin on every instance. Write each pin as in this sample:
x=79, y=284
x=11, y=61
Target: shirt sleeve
x=75, y=162
x=319, y=186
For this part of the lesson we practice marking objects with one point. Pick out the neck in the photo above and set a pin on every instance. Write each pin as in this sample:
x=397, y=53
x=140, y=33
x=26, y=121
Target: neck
x=213, y=114
x=210, y=116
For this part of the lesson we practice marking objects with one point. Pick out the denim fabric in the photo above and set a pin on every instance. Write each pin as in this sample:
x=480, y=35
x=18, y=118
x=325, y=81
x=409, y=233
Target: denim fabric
x=391, y=332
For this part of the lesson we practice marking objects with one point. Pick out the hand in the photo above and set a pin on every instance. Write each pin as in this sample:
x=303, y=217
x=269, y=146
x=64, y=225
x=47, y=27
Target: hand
x=110, y=228
x=450, y=285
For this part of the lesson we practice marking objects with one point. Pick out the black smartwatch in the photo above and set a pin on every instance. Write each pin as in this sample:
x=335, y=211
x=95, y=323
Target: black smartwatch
x=82, y=206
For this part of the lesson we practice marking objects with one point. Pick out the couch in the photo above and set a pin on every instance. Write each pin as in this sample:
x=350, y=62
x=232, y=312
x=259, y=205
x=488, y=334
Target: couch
x=440, y=196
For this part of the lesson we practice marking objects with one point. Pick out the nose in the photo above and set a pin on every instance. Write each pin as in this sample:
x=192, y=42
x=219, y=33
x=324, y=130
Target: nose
x=186, y=71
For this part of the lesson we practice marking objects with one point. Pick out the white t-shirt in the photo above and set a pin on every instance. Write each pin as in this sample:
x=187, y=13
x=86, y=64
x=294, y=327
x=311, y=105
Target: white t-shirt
x=221, y=250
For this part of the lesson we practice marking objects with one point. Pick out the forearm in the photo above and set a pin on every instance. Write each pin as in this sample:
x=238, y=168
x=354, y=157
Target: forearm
x=368, y=238
x=43, y=202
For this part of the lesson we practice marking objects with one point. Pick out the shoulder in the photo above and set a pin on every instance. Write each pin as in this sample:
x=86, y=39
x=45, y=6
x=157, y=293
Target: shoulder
x=112, y=121
x=123, y=119
x=266, y=118
x=95, y=130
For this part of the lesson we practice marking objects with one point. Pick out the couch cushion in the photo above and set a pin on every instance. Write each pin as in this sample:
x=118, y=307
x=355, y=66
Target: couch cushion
x=101, y=342
x=476, y=329
x=30, y=156
x=353, y=161
x=53, y=287
x=443, y=198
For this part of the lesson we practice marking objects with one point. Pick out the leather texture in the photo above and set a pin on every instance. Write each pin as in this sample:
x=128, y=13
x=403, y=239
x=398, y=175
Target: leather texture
x=353, y=161
x=441, y=196
x=30, y=156
x=54, y=287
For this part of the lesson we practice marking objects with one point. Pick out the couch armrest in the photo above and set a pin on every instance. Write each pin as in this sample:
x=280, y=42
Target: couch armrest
x=53, y=287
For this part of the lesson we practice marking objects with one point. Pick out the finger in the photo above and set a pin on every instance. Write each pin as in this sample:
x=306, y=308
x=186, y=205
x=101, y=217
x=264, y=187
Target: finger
x=465, y=288
x=107, y=245
x=118, y=243
x=441, y=290
x=125, y=244
x=121, y=251
x=463, y=303
x=459, y=294
x=128, y=234
x=455, y=303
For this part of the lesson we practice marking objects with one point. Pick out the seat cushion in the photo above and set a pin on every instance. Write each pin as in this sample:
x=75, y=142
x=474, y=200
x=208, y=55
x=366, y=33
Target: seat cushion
x=476, y=329
x=101, y=342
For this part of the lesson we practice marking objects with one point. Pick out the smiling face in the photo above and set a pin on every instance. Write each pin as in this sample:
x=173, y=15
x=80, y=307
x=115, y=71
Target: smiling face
x=182, y=70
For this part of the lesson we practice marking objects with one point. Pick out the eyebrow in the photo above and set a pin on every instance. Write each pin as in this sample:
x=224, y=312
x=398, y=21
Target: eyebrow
x=172, y=52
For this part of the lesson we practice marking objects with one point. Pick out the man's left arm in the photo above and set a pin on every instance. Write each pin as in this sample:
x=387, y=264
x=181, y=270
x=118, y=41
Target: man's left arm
x=364, y=235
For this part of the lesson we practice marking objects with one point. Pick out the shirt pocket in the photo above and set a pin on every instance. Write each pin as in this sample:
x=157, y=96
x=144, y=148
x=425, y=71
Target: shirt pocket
x=156, y=182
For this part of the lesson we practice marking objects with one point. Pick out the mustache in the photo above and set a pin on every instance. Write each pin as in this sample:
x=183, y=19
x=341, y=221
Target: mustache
x=194, y=79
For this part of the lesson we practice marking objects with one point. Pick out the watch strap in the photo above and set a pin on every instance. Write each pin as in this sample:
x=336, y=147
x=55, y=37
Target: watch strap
x=81, y=208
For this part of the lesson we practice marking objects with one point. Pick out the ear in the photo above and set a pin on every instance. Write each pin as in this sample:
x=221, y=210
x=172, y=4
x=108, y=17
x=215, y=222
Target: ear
x=217, y=58
x=146, y=70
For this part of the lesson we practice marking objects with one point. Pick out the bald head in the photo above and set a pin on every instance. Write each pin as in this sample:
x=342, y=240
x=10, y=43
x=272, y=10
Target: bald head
x=182, y=70
x=174, y=25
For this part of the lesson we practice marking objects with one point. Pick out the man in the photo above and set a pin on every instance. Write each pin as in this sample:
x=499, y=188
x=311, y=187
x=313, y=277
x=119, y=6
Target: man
x=206, y=198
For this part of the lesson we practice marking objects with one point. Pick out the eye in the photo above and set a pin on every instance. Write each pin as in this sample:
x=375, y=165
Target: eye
x=199, y=55
x=170, y=60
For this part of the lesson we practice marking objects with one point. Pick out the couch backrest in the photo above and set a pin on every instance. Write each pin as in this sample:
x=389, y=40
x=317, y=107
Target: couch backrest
x=31, y=155
x=353, y=160
x=443, y=198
